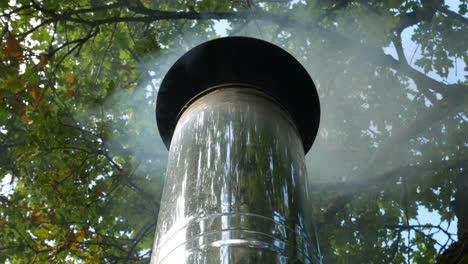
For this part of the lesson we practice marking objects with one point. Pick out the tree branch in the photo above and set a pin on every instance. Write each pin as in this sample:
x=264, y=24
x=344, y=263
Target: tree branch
x=454, y=15
x=376, y=53
x=406, y=227
x=140, y=235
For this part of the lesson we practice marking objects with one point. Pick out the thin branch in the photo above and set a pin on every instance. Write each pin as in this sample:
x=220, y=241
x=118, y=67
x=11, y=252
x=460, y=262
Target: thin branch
x=151, y=15
x=43, y=23
x=454, y=15
x=79, y=42
x=139, y=236
x=93, y=9
x=16, y=10
x=67, y=147
x=399, y=49
x=417, y=228
x=405, y=204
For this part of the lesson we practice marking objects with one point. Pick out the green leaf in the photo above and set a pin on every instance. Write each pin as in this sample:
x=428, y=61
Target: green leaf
x=395, y=3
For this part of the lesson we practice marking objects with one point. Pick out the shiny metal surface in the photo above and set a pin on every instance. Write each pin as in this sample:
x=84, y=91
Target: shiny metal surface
x=236, y=189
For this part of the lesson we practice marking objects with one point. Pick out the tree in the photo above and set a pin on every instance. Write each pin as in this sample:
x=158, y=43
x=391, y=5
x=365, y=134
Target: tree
x=84, y=164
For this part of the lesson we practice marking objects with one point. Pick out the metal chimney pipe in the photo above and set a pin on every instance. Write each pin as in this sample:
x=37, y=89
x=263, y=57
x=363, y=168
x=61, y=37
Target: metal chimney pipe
x=238, y=115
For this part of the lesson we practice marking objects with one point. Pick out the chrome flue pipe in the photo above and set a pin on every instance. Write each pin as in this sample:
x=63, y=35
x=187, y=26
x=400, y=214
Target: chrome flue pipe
x=236, y=183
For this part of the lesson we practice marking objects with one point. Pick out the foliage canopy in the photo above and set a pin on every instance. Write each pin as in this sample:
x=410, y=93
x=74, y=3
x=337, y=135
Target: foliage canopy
x=82, y=163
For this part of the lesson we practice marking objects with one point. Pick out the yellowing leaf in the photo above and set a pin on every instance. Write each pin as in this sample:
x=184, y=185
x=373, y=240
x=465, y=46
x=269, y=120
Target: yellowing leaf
x=41, y=102
x=26, y=121
x=13, y=49
x=148, y=3
x=34, y=93
x=98, y=190
x=40, y=219
x=42, y=233
x=2, y=221
x=14, y=84
x=70, y=78
x=70, y=261
x=79, y=237
x=71, y=93
x=43, y=60
x=74, y=247
x=191, y=7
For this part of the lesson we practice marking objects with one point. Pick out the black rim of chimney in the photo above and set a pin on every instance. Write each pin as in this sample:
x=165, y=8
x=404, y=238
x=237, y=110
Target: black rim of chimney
x=241, y=62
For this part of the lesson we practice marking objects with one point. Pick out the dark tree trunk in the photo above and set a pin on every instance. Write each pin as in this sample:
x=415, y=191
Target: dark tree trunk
x=458, y=251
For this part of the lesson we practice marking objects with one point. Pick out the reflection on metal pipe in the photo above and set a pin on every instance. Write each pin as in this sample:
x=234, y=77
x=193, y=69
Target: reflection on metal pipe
x=238, y=115
x=236, y=189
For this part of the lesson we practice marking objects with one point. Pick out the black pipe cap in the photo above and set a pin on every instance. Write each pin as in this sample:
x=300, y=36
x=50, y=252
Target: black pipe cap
x=239, y=60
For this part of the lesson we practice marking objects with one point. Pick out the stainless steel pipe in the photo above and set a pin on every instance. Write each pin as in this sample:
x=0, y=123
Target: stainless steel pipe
x=236, y=185
x=238, y=115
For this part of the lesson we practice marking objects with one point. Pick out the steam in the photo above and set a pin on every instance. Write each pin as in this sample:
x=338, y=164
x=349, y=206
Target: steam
x=363, y=102
x=357, y=96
